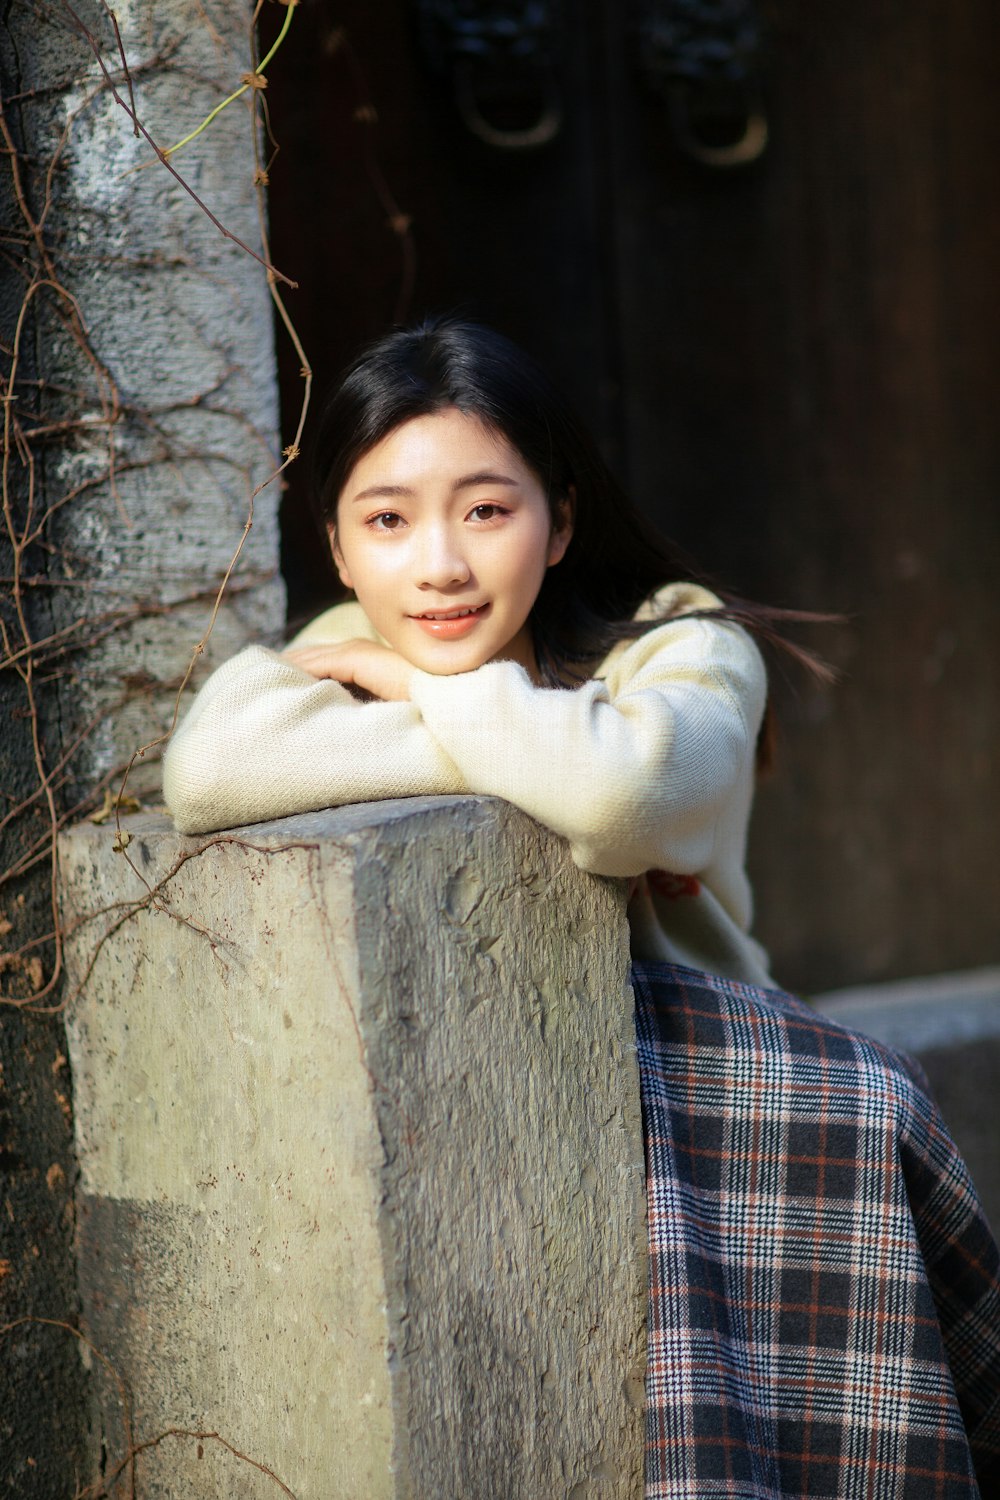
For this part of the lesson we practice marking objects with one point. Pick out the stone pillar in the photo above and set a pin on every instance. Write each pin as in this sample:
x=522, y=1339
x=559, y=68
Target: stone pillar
x=140, y=404
x=361, y=1181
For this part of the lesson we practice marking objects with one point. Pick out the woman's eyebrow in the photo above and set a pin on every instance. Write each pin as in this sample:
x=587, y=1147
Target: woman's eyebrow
x=382, y=492
x=483, y=476
x=467, y=482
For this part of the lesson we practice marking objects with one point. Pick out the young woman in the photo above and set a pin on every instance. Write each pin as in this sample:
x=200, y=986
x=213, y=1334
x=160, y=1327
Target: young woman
x=824, y=1297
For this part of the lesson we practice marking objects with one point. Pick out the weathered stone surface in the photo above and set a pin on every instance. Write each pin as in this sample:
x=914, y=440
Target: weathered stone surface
x=361, y=1159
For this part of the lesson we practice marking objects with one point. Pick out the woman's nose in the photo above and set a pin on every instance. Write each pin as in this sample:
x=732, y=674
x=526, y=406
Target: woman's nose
x=442, y=563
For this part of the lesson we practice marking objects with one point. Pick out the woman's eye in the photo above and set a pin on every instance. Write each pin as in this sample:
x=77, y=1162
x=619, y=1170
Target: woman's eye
x=488, y=511
x=386, y=520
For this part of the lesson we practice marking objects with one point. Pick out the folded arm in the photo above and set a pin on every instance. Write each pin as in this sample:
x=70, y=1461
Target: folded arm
x=264, y=739
x=638, y=770
x=635, y=771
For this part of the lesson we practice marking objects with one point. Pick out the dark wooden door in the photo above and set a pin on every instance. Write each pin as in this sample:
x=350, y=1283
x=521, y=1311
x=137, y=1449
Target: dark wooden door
x=792, y=365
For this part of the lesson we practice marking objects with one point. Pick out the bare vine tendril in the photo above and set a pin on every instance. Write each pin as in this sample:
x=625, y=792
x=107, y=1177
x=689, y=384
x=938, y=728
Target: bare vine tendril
x=28, y=508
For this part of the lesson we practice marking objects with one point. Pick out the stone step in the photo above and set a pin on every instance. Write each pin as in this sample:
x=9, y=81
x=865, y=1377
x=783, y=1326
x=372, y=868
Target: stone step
x=951, y=1024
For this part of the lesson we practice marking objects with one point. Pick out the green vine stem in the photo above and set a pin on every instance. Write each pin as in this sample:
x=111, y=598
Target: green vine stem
x=250, y=81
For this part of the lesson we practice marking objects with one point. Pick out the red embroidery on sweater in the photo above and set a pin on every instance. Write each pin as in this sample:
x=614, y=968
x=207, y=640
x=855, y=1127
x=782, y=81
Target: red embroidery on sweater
x=665, y=883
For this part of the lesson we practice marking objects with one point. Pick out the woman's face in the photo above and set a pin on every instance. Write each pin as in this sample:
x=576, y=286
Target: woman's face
x=445, y=535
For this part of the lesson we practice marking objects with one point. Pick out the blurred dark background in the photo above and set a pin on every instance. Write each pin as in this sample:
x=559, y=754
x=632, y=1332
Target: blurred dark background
x=791, y=363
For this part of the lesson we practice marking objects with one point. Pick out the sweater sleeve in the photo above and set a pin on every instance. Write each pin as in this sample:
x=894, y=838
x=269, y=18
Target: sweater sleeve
x=637, y=771
x=264, y=739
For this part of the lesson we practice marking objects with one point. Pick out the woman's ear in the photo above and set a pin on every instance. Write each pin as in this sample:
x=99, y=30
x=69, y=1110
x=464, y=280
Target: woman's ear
x=338, y=559
x=562, y=528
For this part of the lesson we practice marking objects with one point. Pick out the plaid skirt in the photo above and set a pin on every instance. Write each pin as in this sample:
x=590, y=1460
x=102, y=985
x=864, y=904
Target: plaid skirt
x=824, y=1291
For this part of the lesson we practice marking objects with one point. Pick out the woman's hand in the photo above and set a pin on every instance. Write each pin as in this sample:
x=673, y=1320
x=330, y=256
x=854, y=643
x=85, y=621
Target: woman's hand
x=365, y=664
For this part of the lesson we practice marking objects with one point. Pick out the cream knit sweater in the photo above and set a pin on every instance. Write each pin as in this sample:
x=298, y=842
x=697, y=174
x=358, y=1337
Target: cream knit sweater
x=646, y=770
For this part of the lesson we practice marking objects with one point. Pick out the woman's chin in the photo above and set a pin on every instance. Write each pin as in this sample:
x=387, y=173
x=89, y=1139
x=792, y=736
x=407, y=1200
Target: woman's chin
x=447, y=663
x=444, y=658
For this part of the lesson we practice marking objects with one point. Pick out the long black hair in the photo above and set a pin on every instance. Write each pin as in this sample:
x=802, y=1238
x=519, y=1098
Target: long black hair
x=615, y=559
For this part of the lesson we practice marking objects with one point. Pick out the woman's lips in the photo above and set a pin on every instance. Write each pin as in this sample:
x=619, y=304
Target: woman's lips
x=449, y=625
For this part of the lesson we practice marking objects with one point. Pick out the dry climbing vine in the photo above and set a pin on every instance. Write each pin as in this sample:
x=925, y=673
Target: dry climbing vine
x=39, y=643
x=31, y=971
x=125, y=1469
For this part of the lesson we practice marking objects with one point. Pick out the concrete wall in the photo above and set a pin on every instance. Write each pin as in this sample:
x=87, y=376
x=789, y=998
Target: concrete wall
x=360, y=1155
